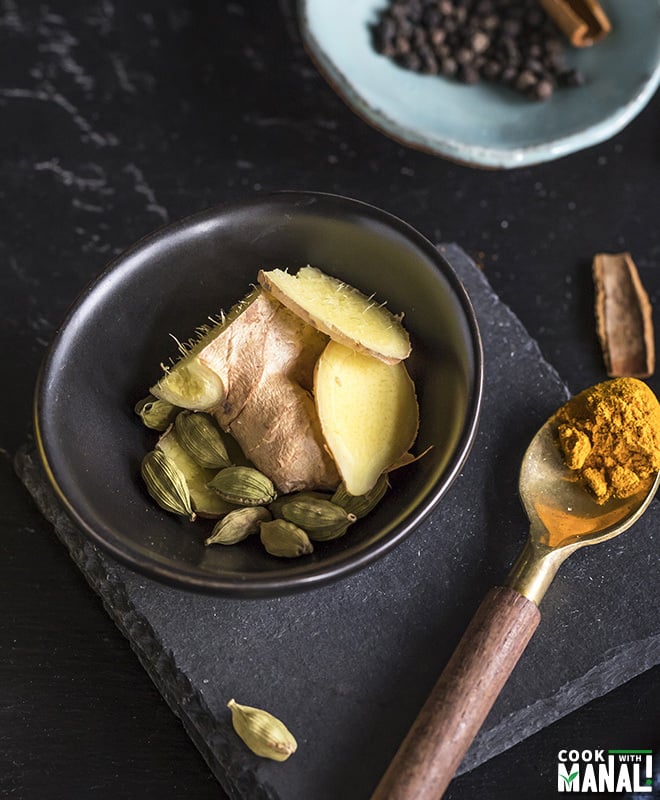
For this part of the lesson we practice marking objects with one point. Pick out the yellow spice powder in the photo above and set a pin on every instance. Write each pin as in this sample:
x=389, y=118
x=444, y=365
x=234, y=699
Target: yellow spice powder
x=609, y=435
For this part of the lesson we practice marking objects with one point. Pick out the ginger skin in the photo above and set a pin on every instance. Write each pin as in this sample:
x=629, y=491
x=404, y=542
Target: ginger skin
x=265, y=358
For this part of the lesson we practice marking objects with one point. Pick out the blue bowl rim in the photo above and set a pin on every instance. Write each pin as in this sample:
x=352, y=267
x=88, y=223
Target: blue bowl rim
x=466, y=154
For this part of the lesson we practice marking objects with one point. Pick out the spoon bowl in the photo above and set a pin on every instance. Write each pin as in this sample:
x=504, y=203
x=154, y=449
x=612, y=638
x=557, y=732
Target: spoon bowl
x=563, y=515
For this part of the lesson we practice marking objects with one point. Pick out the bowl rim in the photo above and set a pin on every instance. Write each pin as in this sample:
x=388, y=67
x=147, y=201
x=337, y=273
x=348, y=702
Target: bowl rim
x=283, y=581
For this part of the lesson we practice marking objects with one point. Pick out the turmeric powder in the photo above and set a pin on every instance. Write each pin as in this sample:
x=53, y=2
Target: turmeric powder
x=609, y=435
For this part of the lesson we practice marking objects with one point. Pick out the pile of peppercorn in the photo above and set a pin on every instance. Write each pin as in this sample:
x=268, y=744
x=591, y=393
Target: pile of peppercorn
x=513, y=42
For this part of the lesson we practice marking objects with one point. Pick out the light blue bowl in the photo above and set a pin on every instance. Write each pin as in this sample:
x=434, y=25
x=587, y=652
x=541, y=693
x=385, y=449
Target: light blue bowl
x=488, y=125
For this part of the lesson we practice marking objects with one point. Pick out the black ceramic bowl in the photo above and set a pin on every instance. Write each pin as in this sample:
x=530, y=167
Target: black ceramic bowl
x=107, y=353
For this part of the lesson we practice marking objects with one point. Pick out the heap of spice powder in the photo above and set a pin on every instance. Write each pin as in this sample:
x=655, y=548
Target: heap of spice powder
x=609, y=435
x=511, y=42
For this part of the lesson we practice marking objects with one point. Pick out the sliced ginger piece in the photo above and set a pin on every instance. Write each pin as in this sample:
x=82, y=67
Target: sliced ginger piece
x=368, y=411
x=190, y=383
x=340, y=311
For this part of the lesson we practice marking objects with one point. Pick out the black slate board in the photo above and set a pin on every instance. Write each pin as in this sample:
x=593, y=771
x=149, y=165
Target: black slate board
x=348, y=666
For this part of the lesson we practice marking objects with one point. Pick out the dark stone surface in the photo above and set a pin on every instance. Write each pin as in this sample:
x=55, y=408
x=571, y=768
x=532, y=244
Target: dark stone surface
x=118, y=115
x=350, y=691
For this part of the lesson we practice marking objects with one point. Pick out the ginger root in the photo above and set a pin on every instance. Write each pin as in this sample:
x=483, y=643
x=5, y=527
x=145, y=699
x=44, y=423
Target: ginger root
x=341, y=311
x=368, y=412
x=265, y=359
x=308, y=379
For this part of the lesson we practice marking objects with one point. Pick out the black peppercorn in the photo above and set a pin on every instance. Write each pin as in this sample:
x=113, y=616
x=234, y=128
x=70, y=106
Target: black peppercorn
x=491, y=69
x=510, y=41
x=570, y=77
x=448, y=67
x=465, y=55
x=480, y=41
x=430, y=64
x=401, y=45
x=542, y=90
x=438, y=35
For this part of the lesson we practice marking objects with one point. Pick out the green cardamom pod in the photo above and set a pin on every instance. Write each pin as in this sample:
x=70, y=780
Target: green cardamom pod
x=238, y=525
x=205, y=502
x=276, y=506
x=284, y=539
x=201, y=438
x=156, y=414
x=244, y=486
x=361, y=505
x=264, y=734
x=331, y=532
x=321, y=519
x=166, y=484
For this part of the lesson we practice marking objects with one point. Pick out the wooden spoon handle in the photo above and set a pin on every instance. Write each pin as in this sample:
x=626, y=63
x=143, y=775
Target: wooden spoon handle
x=461, y=699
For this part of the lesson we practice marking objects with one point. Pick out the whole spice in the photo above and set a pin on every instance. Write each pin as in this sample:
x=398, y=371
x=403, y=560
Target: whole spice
x=322, y=520
x=244, y=486
x=238, y=525
x=278, y=504
x=284, y=539
x=200, y=437
x=156, y=414
x=609, y=435
x=166, y=484
x=361, y=505
x=583, y=21
x=263, y=733
x=623, y=317
x=205, y=502
x=511, y=42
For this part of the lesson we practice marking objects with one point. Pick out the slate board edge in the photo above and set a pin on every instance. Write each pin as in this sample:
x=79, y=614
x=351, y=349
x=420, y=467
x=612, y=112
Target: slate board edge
x=473, y=278
x=237, y=778
x=613, y=670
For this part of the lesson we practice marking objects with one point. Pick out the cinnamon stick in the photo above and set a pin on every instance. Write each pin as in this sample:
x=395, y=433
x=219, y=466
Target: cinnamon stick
x=623, y=317
x=583, y=21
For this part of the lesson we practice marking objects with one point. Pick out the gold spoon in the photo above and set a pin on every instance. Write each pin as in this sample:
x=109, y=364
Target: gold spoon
x=563, y=517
